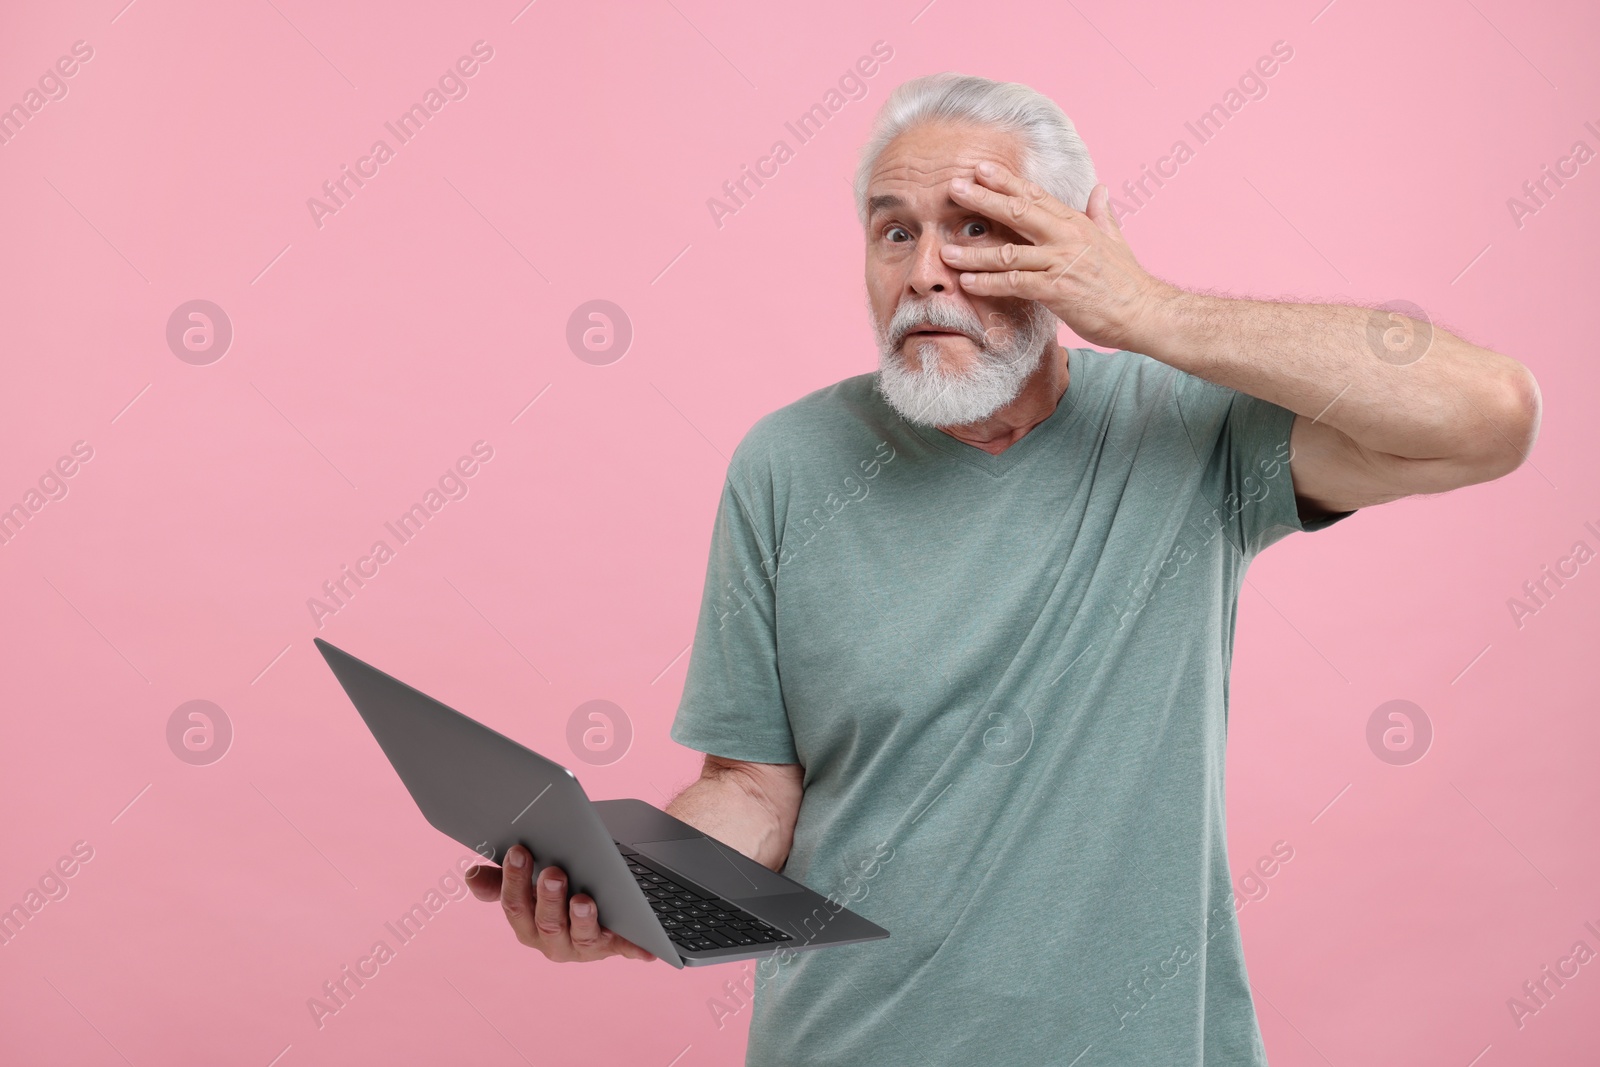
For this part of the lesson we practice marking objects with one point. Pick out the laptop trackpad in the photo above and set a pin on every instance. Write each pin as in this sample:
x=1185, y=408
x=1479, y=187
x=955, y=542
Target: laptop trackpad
x=718, y=868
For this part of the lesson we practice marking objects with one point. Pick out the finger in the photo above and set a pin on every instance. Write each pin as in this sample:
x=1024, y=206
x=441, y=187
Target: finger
x=614, y=943
x=593, y=941
x=584, y=925
x=516, y=894
x=1031, y=212
x=996, y=257
x=1022, y=284
x=550, y=907
x=623, y=947
x=484, y=882
x=994, y=175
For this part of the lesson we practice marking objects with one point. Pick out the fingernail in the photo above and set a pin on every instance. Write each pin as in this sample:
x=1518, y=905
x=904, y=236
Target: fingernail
x=552, y=884
x=951, y=251
x=583, y=911
x=960, y=185
x=986, y=169
x=516, y=857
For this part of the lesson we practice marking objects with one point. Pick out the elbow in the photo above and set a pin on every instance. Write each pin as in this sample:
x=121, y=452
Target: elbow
x=1522, y=408
x=1510, y=425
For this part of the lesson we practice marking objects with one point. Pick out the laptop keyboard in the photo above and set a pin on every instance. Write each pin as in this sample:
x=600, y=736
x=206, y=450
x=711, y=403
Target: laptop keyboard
x=697, y=920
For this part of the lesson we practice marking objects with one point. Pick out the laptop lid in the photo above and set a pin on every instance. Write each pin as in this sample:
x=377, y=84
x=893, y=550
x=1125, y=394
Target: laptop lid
x=489, y=792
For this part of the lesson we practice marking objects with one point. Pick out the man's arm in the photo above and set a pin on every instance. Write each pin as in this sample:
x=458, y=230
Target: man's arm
x=1425, y=413
x=1373, y=424
x=750, y=806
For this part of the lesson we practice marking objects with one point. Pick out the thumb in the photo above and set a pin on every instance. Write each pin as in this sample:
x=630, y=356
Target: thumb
x=1100, y=213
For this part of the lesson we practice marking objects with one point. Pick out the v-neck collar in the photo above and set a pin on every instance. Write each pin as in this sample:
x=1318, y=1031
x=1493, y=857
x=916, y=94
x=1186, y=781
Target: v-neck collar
x=1052, y=424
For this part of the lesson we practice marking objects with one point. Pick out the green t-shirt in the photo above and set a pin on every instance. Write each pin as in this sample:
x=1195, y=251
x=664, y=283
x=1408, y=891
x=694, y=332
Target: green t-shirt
x=1006, y=678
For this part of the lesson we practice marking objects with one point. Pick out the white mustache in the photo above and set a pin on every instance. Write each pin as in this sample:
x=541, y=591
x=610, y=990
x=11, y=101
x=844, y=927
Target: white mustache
x=909, y=318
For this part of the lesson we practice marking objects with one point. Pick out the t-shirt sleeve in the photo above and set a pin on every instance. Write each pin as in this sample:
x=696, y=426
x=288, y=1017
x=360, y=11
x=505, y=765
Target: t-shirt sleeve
x=1247, y=439
x=732, y=704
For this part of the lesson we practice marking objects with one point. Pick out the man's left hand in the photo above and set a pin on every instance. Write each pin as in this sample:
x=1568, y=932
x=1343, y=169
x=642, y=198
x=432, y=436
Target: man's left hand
x=1076, y=264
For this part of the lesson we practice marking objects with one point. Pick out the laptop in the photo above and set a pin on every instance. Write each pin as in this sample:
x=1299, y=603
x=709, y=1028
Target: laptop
x=658, y=882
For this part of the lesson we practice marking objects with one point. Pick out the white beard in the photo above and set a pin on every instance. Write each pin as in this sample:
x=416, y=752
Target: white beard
x=1006, y=356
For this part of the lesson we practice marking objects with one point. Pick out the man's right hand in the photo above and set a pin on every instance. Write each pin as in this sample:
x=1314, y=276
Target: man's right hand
x=565, y=931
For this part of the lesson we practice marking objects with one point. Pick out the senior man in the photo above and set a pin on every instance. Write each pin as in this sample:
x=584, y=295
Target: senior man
x=963, y=654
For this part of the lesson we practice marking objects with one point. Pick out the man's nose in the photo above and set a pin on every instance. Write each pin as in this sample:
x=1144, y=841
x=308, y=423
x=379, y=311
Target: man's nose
x=929, y=272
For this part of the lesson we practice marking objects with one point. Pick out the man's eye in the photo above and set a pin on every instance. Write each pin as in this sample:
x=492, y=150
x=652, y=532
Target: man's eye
x=892, y=230
x=982, y=228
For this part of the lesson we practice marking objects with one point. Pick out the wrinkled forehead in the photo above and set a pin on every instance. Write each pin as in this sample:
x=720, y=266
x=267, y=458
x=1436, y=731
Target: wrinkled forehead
x=914, y=170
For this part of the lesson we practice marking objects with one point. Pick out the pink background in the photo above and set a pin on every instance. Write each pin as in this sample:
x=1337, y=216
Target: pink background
x=370, y=353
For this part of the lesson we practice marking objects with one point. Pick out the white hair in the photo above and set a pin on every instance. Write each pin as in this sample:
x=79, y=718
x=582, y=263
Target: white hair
x=1052, y=152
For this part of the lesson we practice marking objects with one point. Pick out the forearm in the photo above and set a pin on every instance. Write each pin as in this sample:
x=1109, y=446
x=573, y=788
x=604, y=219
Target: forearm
x=726, y=808
x=1380, y=378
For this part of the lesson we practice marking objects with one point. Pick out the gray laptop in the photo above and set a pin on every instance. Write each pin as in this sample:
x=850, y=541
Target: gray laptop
x=659, y=882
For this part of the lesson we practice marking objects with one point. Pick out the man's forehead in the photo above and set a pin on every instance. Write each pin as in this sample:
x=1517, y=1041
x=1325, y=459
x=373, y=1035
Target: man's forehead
x=924, y=158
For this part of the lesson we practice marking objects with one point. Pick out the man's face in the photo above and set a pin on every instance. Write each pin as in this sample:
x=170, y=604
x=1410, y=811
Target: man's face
x=947, y=358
